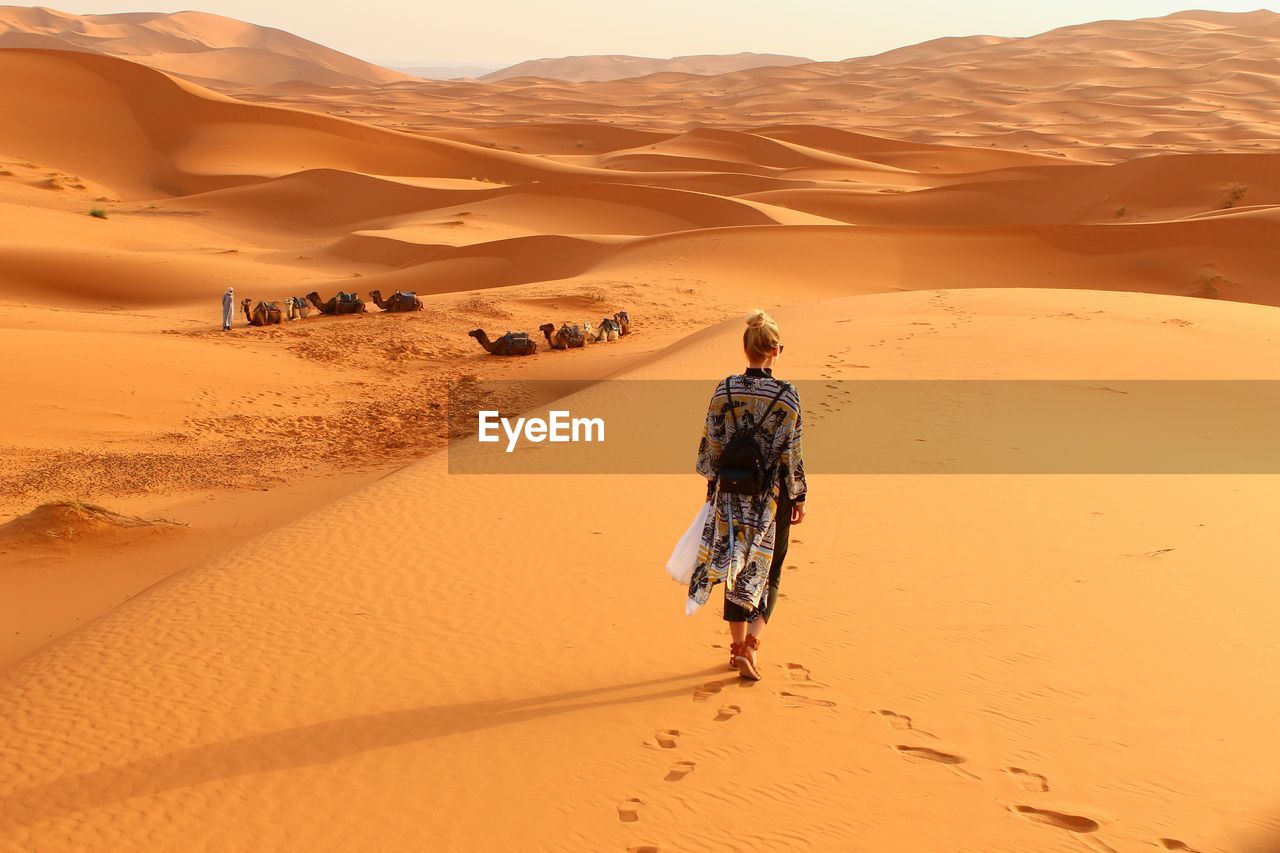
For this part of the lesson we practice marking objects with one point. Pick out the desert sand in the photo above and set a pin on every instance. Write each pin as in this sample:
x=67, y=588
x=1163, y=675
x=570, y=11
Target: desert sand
x=195, y=45
x=245, y=602
x=599, y=69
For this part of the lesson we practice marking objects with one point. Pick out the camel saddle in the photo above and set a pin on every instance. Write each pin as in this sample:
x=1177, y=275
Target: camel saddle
x=514, y=337
x=348, y=297
x=573, y=333
x=407, y=295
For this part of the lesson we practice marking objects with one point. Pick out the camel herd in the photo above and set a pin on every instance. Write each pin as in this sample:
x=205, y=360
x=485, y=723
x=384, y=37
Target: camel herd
x=568, y=336
x=298, y=307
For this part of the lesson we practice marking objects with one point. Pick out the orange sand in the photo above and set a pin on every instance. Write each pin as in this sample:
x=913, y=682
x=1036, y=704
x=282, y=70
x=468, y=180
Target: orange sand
x=581, y=69
x=344, y=630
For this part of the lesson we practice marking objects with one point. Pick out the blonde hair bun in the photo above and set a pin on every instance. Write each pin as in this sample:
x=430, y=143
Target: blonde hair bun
x=762, y=335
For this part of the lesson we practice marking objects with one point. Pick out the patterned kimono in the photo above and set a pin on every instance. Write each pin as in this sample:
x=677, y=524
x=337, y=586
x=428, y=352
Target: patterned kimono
x=738, y=540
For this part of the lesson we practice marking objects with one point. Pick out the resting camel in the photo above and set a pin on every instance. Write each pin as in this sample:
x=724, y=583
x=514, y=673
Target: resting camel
x=343, y=303
x=399, y=301
x=609, y=330
x=263, y=314
x=569, y=337
x=296, y=307
x=624, y=323
x=512, y=343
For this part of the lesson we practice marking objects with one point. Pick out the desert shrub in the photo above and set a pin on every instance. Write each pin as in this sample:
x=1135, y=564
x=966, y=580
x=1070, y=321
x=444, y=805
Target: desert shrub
x=1235, y=192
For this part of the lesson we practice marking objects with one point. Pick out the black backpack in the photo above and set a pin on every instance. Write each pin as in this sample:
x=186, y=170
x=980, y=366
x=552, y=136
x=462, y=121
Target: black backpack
x=743, y=469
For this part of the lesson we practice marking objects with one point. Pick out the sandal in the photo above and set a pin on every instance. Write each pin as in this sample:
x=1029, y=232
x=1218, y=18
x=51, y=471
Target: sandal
x=735, y=649
x=745, y=661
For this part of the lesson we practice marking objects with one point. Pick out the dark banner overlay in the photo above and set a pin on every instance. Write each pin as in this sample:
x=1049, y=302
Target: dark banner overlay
x=881, y=426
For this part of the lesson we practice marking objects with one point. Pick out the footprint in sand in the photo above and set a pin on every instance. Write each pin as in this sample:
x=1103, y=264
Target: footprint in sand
x=924, y=753
x=727, y=712
x=797, y=672
x=679, y=770
x=1175, y=844
x=928, y=754
x=706, y=691
x=1033, y=782
x=667, y=738
x=1062, y=820
x=629, y=810
x=794, y=700
x=901, y=722
x=644, y=848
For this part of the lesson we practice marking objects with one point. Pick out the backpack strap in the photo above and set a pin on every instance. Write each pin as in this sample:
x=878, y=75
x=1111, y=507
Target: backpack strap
x=733, y=414
x=776, y=397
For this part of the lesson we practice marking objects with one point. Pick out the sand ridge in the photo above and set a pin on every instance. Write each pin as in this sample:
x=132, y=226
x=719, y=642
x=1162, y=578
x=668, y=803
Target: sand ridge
x=196, y=45
x=581, y=69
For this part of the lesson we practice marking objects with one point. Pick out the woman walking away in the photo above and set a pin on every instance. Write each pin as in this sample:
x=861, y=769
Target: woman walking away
x=751, y=456
x=228, y=308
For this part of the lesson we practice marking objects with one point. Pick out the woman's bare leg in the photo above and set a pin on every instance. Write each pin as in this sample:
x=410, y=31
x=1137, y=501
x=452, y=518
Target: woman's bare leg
x=738, y=631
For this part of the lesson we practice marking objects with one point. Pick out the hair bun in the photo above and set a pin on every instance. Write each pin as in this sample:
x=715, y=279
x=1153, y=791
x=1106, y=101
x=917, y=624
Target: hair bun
x=761, y=337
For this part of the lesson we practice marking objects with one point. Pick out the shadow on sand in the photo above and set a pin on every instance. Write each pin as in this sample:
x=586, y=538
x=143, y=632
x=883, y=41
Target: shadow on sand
x=314, y=744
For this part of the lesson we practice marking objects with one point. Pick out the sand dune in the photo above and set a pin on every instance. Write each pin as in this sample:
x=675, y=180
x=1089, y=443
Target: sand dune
x=1099, y=92
x=581, y=69
x=326, y=199
x=1146, y=190
x=196, y=45
x=549, y=138
x=169, y=137
x=333, y=198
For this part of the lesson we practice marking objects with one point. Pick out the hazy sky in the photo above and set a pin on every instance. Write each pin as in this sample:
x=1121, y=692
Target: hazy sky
x=501, y=32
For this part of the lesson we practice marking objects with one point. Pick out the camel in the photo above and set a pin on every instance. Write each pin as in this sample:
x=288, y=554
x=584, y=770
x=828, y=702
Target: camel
x=343, y=303
x=263, y=314
x=569, y=337
x=609, y=330
x=399, y=301
x=296, y=307
x=512, y=343
x=624, y=322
